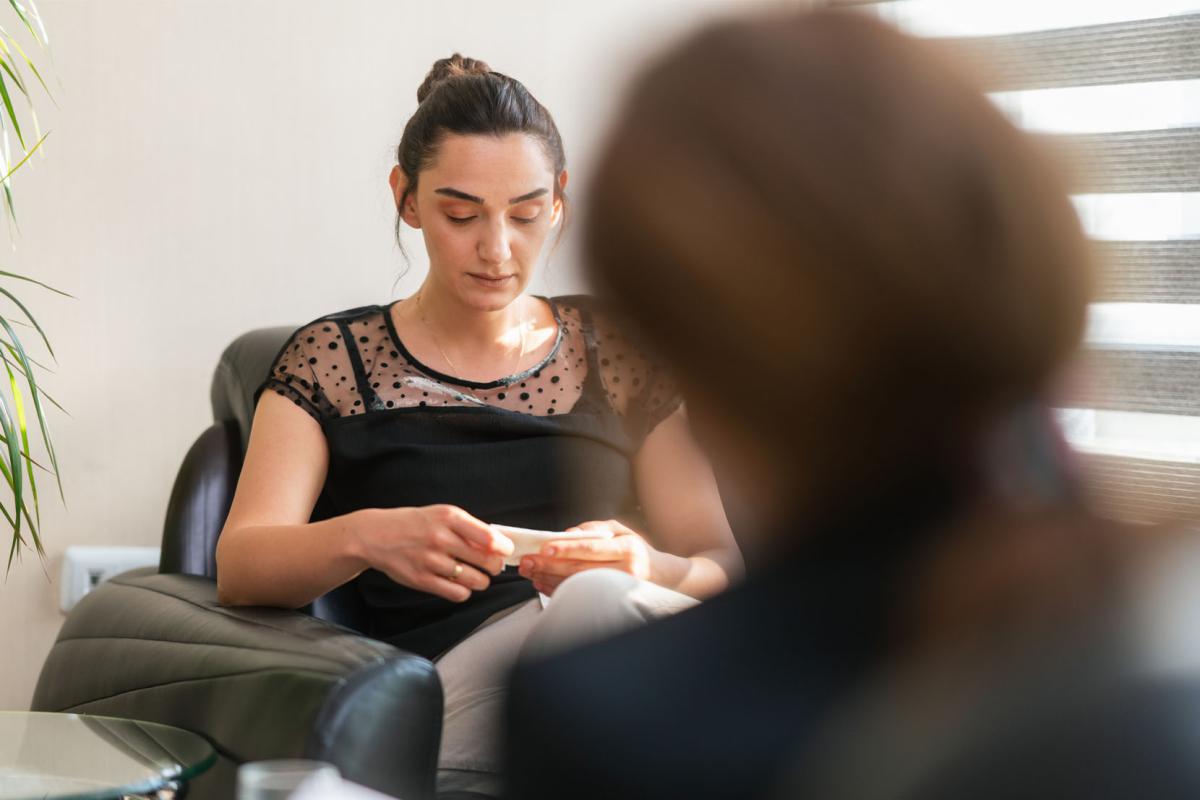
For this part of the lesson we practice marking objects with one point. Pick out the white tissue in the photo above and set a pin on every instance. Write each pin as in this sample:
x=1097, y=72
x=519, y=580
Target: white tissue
x=527, y=541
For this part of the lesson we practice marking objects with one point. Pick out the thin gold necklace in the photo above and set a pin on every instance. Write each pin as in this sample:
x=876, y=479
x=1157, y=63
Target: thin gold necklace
x=453, y=369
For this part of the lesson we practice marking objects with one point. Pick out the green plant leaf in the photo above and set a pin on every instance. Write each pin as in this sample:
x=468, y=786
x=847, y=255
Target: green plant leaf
x=32, y=360
x=14, y=480
x=8, y=204
x=37, y=17
x=21, y=14
x=18, y=540
x=6, y=184
x=4, y=64
x=21, y=305
x=41, y=419
x=11, y=464
x=26, y=158
x=37, y=128
x=20, y=355
x=33, y=68
x=43, y=391
x=39, y=283
x=33, y=321
x=9, y=64
x=26, y=457
x=12, y=113
x=6, y=154
x=19, y=404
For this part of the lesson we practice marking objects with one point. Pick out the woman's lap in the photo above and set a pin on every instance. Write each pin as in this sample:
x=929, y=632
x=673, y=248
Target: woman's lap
x=588, y=606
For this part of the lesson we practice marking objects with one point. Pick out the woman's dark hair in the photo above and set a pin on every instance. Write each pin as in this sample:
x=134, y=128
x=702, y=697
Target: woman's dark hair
x=465, y=96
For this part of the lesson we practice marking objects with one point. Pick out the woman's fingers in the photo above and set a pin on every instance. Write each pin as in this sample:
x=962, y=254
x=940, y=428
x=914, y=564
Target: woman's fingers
x=591, y=525
x=586, y=549
x=615, y=527
x=556, y=570
x=443, y=587
x=463, y=551
x=610, y=545
x=475, y=532
x=444, y=566
x=549, y=586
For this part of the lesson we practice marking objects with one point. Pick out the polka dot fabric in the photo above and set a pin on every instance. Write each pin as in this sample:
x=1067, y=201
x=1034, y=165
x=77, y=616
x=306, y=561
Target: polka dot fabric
x=353, y=363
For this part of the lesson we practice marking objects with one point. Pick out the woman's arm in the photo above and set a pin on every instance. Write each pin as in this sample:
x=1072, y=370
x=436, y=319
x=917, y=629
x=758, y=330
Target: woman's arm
x=694, y=549
x=268, y=554
x=688, y=546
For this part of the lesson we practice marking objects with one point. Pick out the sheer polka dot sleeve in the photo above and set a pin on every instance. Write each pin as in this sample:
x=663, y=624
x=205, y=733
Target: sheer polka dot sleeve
x=660, y=397
x=639, y=386
x=294, y=376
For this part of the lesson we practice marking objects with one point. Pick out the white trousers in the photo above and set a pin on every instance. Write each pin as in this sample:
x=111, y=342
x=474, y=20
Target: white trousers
x=587, y=606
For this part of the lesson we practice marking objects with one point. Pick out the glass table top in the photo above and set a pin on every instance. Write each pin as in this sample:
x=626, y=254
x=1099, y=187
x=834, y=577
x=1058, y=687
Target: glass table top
x=83, y=757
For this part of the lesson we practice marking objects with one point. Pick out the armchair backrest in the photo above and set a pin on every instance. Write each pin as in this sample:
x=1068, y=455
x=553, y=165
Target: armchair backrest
x=241, y=368
x=204, y=487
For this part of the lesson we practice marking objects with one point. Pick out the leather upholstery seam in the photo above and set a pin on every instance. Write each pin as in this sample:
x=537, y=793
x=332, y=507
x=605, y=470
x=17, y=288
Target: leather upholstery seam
x=191, y=680
x=220, y=610
x=247, y=648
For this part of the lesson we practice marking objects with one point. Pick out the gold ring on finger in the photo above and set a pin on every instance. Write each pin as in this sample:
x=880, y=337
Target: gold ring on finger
x=458, y=570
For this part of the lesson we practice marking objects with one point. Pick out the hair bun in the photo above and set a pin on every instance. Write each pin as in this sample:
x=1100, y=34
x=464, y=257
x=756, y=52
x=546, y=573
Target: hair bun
x=452, y=67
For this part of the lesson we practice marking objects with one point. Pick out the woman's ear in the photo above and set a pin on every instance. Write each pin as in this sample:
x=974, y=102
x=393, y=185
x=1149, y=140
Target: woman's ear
x=399, y=183
x=556, y=213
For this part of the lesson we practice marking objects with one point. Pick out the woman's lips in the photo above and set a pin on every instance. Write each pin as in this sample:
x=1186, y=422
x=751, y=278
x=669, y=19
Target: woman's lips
x=488, y=280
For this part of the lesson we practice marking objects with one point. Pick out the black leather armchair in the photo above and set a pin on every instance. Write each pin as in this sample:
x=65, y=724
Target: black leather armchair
x=259, y=683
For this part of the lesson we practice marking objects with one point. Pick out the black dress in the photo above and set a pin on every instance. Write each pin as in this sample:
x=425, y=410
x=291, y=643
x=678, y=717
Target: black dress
x=548, y=448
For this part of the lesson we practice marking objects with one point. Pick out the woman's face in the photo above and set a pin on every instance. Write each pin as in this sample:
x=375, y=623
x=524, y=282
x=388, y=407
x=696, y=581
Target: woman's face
x=485, y=208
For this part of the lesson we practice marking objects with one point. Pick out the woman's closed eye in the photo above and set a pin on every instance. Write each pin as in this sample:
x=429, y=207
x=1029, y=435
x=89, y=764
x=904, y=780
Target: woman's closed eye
x=465, y=220
x=526, y=213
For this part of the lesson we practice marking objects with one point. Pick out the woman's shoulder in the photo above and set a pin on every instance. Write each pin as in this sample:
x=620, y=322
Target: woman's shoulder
x=600, y=320
x=592, y=311
x=347, y=315
x=575, y=302
x=331, y=323
x=573, y=299
x=636, y=380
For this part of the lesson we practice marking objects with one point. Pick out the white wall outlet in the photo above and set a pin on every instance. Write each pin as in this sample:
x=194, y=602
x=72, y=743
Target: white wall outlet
x=85, y=568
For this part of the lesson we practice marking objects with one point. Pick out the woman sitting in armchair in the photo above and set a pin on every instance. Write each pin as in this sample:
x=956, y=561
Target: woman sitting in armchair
x=388, y=439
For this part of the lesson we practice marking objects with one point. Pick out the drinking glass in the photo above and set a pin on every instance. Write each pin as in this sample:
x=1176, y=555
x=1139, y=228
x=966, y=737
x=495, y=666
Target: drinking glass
x=276, y=780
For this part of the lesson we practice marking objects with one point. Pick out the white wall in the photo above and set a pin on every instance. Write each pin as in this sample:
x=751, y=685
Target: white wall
x=221, y=165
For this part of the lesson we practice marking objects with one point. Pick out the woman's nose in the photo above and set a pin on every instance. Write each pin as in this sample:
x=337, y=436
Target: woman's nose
x=494, y=247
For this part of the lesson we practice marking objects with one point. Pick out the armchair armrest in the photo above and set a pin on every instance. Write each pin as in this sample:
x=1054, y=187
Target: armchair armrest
x=257, y=682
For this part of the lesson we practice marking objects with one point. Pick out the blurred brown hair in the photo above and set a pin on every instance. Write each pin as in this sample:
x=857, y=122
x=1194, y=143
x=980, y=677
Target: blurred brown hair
x=838, y=241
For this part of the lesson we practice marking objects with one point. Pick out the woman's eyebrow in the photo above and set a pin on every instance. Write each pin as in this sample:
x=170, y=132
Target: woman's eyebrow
x=528, y=196
x=470, y=198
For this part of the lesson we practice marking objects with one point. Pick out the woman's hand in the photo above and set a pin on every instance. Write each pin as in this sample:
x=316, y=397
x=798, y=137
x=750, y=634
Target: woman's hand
x=439, y=549
x=626, y=551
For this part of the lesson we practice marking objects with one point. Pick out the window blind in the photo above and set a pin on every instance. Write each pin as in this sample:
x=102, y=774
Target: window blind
x=1114, y=88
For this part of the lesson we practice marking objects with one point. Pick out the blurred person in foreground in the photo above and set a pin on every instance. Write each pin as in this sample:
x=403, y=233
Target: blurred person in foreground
x=868, y=281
